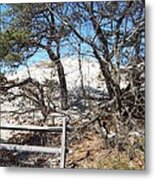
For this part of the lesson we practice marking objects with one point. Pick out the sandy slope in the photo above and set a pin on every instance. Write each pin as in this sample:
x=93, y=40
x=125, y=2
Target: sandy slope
x=43, y=69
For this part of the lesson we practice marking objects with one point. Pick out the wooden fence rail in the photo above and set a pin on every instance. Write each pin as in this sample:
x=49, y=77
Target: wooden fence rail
x=22, y=148
x=31, y=128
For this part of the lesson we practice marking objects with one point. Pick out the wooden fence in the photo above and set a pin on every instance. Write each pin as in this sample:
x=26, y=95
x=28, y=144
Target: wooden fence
x=39, y=149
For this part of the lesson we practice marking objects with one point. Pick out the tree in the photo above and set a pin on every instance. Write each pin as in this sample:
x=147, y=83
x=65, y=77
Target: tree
x=30, y=27
x=113, y=29
x=114, y=32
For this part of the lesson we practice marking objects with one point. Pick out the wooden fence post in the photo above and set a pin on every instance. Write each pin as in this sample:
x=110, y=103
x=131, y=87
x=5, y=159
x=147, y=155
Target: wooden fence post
x=63, y=144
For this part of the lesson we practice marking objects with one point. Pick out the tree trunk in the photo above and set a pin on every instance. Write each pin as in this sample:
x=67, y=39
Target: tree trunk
x=62, y=79
x=63, y=86
x=112, y=87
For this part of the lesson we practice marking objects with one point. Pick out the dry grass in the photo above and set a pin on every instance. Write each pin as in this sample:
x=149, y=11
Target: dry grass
x=90, y=153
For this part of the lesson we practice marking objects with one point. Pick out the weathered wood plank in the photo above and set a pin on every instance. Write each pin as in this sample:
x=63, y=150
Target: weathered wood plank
x=31, y=128
x=22, y=148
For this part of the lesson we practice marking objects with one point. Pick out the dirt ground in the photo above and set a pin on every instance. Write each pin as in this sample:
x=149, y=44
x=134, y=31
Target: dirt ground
x=90, y=152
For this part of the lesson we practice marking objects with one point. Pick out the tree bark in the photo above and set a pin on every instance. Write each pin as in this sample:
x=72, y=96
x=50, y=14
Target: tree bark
x=112, y=86
x=62, y=79
x=63, y=86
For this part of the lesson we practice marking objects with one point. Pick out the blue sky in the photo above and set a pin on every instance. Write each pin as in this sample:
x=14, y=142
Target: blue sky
x=86, y=30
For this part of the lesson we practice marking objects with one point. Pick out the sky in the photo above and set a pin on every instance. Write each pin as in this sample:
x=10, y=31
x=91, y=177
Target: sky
x=86, y=30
